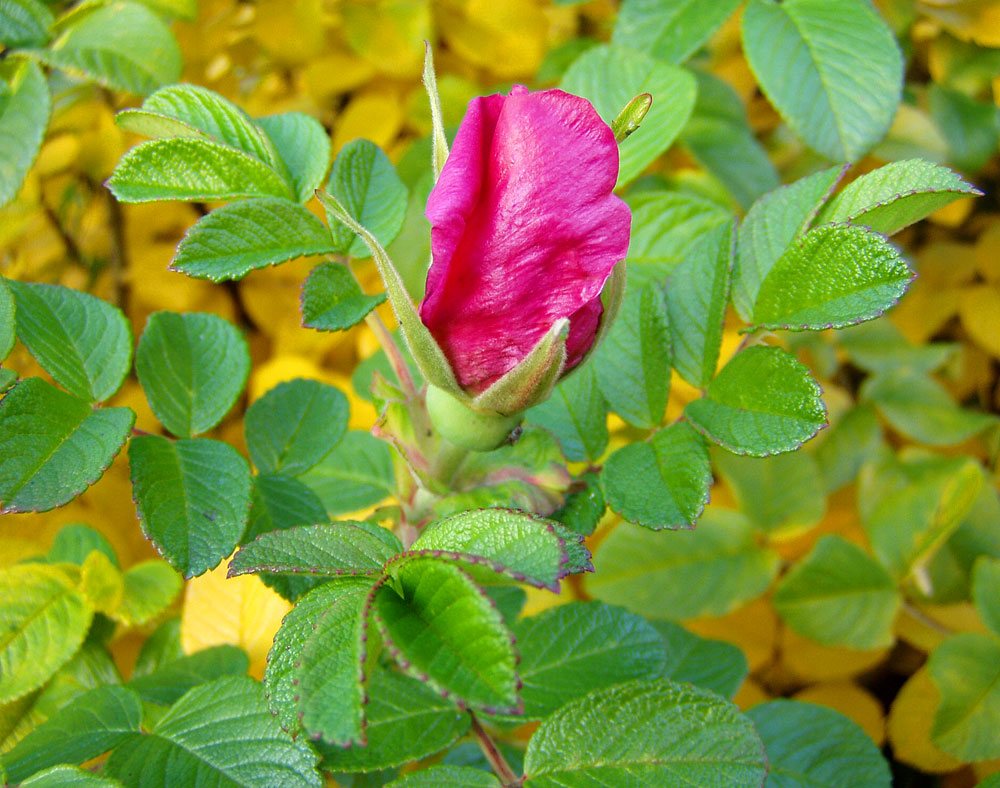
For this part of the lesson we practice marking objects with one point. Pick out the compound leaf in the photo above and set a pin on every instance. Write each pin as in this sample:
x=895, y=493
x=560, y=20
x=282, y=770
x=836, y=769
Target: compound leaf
x=332, y=299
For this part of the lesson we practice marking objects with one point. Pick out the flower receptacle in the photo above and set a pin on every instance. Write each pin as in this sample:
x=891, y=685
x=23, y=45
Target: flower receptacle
x=464, y=427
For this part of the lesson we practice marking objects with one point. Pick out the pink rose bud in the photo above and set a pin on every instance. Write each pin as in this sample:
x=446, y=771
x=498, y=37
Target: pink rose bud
x=525, y=232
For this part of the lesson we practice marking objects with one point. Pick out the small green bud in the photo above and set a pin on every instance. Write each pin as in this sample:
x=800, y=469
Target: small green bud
x=465, y=427
x=631, y=116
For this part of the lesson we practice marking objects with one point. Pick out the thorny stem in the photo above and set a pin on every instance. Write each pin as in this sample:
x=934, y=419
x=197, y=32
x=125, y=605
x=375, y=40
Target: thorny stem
x=493, y=755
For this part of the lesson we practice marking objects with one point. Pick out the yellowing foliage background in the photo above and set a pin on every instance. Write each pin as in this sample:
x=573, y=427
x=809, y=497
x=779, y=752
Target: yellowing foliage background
x=355, y=65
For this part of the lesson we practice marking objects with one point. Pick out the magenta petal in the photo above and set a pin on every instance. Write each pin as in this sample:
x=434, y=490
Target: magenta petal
x=525, y=230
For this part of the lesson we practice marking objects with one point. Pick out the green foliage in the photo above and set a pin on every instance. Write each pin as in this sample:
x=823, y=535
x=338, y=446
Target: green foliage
x=364, y=181
x=661, y=483
x=332, y=299
x=986, y=591
x=69, y=777
x=839, y=596
x=570, y=650
x=304, y=148
x=356, y=473
x=24, y=113
x=576, y=414
x=632, y=364
x=440, y=627
x=88, y=726
x=24, y=23
x=762, y=402
x=610, y=76
x=192, y=497
x=82, y=341
x=75, y=542
x=812, y=745
x=221, y=733
x=167, y=683
x=294, y=425
x=834, y=276
x=447, y=777
x=235, y=239
x=54, y=445
x=830, y=67
x=121, y=45
x=44, y=620
x=712, y=664
x=670, y=31
x=192, y=367
x=654, y=732
x=7, y=323
x=708, y=571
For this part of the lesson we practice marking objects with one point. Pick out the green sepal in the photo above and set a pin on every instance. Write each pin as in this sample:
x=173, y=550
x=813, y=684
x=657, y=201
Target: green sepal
x=439, y=143
x=467, y=428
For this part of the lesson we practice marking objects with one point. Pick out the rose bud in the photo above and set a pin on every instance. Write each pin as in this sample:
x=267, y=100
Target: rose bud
x=527, y=241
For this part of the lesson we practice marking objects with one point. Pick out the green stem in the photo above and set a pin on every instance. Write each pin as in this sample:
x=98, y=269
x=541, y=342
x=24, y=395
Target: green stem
x=493, y=755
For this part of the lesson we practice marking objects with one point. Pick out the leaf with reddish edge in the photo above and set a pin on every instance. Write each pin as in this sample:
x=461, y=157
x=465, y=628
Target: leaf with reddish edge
x=523, y=546
x=441, y=628
x=346, y=547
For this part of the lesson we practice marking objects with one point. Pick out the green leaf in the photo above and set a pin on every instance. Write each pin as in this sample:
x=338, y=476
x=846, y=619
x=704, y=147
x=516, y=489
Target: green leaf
x=708, y=571
x=986, y=591
x=121, y=45
x=666, y=227
x=83, y=342
x=279, y=502
x=719, y=137
x=632, y=364
x=834, y=276
x=149, y=588
x=161, y=648
x=165, y=685
x=839, y=596
x=782, y=495
x=192, y=367
x=769, y=228
x=523, y=546
x=24, y=23
x=355, y=474
x=192, y=169
x=295, y=425
x=180, y=9
x=611, y=76
x=831, y=68
x=713, y=664
x=911, y=511
x=74, y=542
x=577, y=415
x=366, y=184
x=69, y=777
x=646, y=733
x=922, y=409
x=762, y=402
x=282, y=675
x=8, y=378
x=878, y=346
x=7, y=322
x=221, y=734
x=43, y=620
x=340, y=548
x=24, y=115
x=240, y=237
x=660, y=483
x=194, y=111
x=697, y=295
x=570, y=650
x=584, y=506
x=447, y=777
x=846, y=447
x=896, y=195
x=53, y=446
x=192, y=497
x=88, y=726
x=669, y=30
x=304, y=148
x=332, y=299
x=405, y=721
x=810, y=745
x=440, y=627
x=966, y=670
x=969, y=126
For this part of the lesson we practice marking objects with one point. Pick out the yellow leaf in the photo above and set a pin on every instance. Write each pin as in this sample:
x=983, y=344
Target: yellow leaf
x=506, y=38
x=979, y=308
x=988, y=250
x=335, y=72
x=955, y=213
x=239, y=611
x=970, y=20
x=376, y=115
x=281, y=369
x=149, y=588
x=812, y=662
x=852, y=701
x=909, y=726
x=58, y=153
x=750, y=694
x=292, y=30
x=925, y=626
x=752, y=627
x=101, y=582
x=389, y=34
